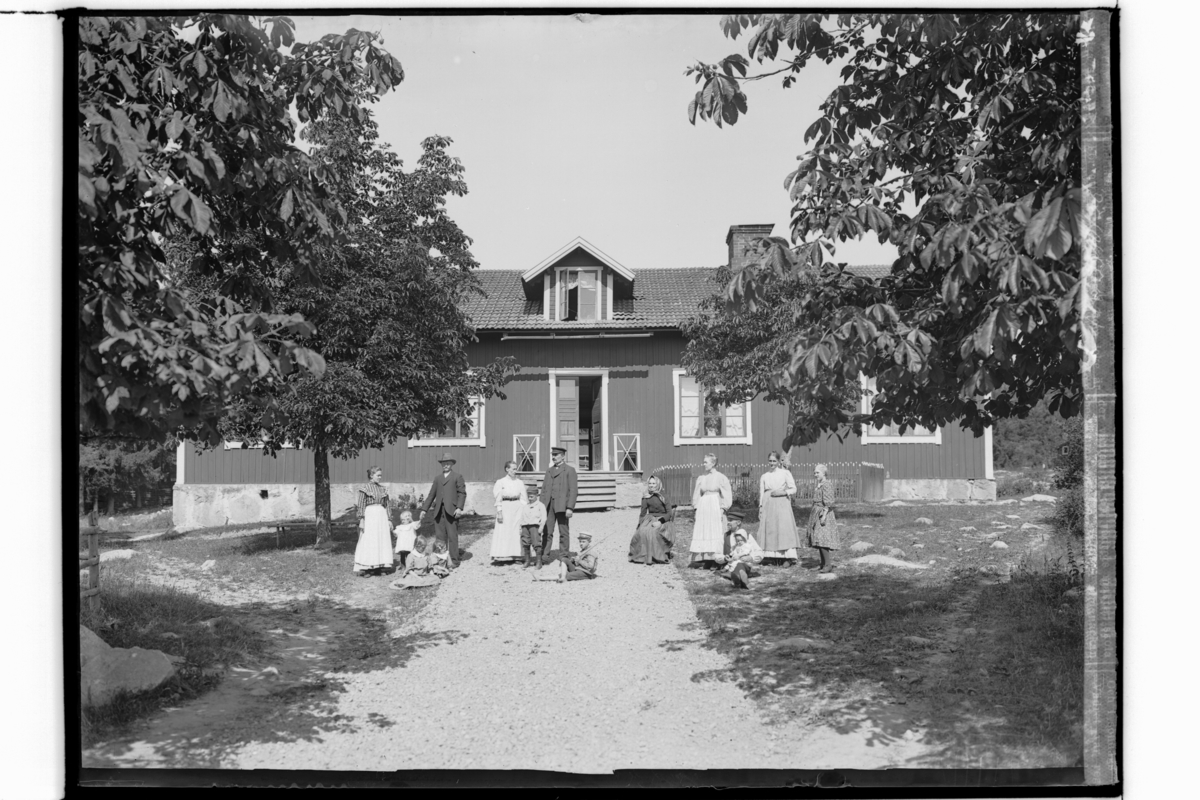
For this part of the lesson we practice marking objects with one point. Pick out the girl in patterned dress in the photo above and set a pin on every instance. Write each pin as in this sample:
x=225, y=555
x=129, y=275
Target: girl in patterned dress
x=822, y=522
x=373, y=554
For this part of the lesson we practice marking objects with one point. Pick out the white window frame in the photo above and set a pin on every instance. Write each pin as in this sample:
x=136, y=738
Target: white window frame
x=872, y=435
x=616, y=451
x=481, y=441
x=701, y=441
x=537, y=457
x=560, y=292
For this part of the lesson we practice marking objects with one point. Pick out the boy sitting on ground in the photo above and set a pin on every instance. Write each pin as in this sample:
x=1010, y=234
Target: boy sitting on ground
x=573, y=568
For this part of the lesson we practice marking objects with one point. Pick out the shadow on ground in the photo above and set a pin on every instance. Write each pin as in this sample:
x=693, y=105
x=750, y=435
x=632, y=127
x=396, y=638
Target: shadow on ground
x=890, y=655
x=285, y=687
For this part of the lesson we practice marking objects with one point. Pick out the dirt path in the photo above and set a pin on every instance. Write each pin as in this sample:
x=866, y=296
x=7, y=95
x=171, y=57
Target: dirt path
x=501, y=672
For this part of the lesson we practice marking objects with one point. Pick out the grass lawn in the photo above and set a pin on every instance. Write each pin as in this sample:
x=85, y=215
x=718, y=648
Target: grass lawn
x=982, y=649
x=226, y=605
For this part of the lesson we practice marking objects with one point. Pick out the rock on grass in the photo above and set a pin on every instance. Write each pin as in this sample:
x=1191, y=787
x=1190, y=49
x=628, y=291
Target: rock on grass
x=877, y=560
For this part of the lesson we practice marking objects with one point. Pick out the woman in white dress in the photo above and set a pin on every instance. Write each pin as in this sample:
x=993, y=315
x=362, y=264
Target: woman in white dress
x=711, y=497
x=509, y=493
x=373, y=554
x=776, y=521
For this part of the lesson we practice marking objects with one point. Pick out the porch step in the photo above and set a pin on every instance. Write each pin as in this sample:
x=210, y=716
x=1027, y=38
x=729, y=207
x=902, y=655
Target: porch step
x=597, y=491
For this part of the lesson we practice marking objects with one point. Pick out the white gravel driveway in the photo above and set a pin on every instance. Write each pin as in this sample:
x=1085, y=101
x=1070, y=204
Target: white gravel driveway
x=588, y=676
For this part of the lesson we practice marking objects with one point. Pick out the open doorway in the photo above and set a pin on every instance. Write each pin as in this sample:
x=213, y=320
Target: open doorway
x=580, y=420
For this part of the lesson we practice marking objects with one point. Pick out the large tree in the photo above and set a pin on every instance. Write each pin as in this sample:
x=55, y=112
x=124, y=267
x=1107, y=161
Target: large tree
x=387, y=312
x=956, y=137
x=186, y=132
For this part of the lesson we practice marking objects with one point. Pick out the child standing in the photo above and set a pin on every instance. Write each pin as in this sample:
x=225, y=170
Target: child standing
x=533, y=519
x=406, y=535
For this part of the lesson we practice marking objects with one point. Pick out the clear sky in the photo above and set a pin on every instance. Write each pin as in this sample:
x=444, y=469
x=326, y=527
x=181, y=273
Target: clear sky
x=579, y=128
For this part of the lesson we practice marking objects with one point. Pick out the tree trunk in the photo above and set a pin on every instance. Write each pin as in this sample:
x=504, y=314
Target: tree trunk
x=323, y=503
x=112, y=503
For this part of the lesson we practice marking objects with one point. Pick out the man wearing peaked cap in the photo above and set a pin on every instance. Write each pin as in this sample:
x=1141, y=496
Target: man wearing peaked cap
x=560, y=488
x=446, y=498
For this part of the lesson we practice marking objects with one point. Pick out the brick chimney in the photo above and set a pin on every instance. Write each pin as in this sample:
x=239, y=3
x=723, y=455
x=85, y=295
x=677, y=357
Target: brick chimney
x=739, y=239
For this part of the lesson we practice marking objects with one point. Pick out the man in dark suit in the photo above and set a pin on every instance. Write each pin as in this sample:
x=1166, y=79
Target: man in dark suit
x=447, y=496
x=560, y=488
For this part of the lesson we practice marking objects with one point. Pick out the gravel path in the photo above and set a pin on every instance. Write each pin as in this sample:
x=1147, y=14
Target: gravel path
x=587, y=677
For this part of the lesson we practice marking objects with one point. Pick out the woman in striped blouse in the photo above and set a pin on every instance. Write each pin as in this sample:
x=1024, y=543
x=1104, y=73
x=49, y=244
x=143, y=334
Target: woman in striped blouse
x=374, y=552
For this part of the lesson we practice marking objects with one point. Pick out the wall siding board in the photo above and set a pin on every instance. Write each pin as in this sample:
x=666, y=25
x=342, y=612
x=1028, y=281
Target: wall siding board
x=641, y=400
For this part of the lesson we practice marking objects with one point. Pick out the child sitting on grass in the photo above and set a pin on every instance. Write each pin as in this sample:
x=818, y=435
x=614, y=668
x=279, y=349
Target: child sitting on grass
x=429, y=554
x=406, y=535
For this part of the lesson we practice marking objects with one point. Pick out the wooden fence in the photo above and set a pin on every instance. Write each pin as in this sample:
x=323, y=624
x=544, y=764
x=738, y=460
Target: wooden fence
x=91, y=562
x=852, y=482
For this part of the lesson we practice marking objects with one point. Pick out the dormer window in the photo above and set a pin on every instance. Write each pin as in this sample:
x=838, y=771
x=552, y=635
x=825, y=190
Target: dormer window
x=578, y=294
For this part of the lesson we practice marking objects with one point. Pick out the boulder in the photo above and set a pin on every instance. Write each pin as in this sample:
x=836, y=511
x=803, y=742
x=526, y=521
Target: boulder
x=923, y=521
x=918, y=640
x=918, y=546
x=827, y=576
x=876, y=560
x=895, y=503
x=1039, y=498
x=969, y=528
x=1029, y=526
x=998, y=545
x=209, y=564
x=1012, y=516
x=107, y=671
x=116, y=555
x=894, y=552
x=861, y=547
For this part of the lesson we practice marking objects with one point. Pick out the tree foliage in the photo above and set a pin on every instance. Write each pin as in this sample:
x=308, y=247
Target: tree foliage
x=956, y=137
x=1031, y=441
x=185, y=133
x=742, y=353
x=117, y=466
x=387, y=310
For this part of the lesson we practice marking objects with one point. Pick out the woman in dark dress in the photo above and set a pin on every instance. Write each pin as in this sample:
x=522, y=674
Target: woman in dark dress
x=653, y=538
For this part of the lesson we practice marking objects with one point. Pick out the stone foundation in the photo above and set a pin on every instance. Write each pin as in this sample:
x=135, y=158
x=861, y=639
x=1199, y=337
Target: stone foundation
x=214, y=505
x=198, y=505
x=939, y=489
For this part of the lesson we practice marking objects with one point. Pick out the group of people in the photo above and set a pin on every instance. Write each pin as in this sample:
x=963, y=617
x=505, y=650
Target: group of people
x=525, y=525
x=526, y=522
x=720, y=542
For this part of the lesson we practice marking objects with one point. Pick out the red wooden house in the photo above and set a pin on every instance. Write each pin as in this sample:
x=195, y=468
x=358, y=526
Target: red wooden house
x=599, y=347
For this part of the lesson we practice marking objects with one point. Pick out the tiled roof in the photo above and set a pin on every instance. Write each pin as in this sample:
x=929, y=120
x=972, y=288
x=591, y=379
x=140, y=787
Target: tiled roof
x=662, y=298
x=875, y=271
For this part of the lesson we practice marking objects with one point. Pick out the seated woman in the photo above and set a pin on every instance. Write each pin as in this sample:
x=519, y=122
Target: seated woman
x=653, y=538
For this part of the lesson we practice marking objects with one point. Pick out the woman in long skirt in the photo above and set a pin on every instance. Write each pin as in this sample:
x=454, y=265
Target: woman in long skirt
x=374, y=551
x=776, y=522
x=509, y=493
x=653, y=538
x=710, y=498
x=822, y=521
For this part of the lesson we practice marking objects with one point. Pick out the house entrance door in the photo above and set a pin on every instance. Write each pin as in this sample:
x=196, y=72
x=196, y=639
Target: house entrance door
x=579, y=410
x=567, y=418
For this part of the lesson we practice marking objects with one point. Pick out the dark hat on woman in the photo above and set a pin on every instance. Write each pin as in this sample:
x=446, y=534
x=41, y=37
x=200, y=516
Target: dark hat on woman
x=447, y=457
